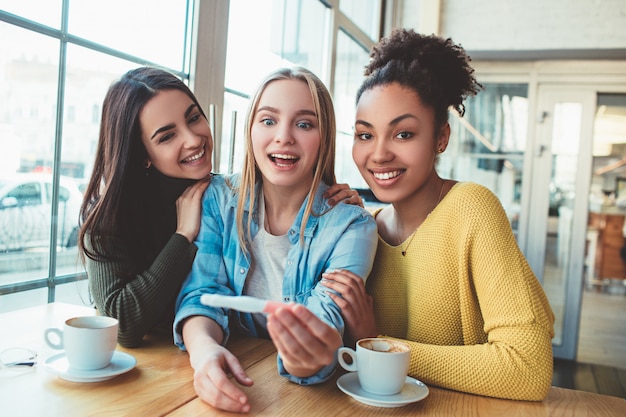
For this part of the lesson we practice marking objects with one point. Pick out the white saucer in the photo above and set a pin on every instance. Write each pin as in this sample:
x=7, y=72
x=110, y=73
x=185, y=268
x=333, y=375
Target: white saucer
x=412, y=391
x=120, y=363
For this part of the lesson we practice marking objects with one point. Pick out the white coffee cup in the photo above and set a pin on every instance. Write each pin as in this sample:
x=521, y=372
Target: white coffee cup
x=89, y=342
x=381, y=364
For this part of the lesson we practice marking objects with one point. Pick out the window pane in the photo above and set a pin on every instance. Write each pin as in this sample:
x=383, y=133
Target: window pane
x=365, y=13
x=25, y=299
x=30, y=97
x=351, y=61
x=293, y=35
x=487, y=145
x=27, y=125
x=150, y=29
x=89, y=75
x=47, y=12
x=74, y=293
x=232, y=152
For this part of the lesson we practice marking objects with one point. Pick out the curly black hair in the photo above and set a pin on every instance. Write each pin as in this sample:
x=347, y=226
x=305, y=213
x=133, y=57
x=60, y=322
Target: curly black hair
x=437, y=69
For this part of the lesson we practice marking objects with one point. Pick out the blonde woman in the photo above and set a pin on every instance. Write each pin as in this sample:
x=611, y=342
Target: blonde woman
x=271, y=233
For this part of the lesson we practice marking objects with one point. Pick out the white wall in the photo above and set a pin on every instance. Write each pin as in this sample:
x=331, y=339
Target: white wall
x=523, y=25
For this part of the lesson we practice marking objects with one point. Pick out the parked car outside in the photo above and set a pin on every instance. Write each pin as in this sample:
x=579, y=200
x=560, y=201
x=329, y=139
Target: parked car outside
x=26, y=211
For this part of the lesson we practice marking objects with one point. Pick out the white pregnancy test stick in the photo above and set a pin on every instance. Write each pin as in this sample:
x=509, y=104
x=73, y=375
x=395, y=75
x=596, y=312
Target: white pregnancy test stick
x=243, y=303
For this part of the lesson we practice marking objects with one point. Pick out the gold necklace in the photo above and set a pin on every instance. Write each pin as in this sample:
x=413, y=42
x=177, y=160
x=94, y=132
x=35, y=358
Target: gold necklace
x=405, y=249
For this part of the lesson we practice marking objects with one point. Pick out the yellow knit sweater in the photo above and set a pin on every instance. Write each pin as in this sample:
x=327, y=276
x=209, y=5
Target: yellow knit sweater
x=466, y=300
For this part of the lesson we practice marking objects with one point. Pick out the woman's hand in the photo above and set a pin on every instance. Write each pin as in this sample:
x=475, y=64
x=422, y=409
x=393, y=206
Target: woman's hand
x=343, y=193
x=357, y=307
x=211, y=363
x=305, y=343
x=211, y=382
x=189, y=210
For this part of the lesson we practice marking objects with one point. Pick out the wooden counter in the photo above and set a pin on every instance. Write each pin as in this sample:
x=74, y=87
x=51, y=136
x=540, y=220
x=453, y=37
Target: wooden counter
x=161, y=385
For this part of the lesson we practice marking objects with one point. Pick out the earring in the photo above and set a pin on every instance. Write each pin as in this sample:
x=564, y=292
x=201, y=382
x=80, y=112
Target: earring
x=440, y=150
x=147, y=166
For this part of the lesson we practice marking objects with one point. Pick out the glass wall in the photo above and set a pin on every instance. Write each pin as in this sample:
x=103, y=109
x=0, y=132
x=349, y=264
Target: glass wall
x=487, y=144
x=350, y=64
x=57, y=59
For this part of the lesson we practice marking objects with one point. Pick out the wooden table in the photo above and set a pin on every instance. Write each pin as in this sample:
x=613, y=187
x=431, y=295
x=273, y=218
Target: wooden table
x=161, y=384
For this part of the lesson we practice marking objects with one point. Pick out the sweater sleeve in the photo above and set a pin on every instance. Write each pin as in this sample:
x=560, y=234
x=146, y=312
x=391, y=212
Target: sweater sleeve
x=499, y=291
x=139, y=302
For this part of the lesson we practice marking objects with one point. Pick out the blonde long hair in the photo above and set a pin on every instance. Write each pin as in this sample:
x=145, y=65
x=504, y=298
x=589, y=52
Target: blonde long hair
x=324, y=170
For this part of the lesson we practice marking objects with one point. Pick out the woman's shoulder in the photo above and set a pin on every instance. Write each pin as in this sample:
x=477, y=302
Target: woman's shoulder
x=475, y=201
x=222, y=180
x=344, y=213
x=224, y=184
x=221, y=193
x=467, y=191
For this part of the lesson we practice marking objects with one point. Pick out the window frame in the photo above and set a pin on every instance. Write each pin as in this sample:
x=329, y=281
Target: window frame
x=204, y=71
x=53, y=280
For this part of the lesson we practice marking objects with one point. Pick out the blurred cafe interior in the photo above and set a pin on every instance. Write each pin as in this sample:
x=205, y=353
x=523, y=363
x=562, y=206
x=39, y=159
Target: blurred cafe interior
x=547, y=134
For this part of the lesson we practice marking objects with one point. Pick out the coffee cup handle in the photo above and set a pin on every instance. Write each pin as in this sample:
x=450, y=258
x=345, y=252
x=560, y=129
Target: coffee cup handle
x=50, y=343
x=347, y=366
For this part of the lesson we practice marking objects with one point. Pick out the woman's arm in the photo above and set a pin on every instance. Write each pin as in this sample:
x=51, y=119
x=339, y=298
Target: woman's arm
x=212, y=363
x=140, y=301
x=307, y=338
x=506, y=321
x=357, y=307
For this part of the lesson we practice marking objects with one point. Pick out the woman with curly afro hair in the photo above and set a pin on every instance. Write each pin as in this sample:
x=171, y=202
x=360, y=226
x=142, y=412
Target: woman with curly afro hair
x=448, y=277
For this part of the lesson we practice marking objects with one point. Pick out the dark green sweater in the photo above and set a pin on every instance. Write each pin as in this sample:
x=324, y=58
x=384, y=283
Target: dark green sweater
x=142, y=298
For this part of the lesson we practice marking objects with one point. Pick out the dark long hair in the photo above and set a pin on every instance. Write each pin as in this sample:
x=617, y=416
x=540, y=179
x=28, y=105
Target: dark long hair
x=114, y=203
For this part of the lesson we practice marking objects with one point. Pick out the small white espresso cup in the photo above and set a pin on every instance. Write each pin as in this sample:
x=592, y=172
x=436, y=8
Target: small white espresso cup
x=89, y=342
x=381, y=364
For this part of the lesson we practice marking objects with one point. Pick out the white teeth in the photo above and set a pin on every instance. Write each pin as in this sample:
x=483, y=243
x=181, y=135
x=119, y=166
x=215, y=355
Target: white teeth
x=386, y=175
x=283, y=156
x=195, y=157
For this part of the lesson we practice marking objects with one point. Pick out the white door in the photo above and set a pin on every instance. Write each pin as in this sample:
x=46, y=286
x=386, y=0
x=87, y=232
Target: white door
x=558, y=203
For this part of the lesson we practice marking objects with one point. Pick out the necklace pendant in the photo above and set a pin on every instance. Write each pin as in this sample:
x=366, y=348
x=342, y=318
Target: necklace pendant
x=403, y=253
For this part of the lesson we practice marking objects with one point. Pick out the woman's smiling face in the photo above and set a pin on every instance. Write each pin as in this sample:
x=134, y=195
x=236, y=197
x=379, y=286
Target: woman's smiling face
x=176, y=135
x=395, y=144
x=285, y=135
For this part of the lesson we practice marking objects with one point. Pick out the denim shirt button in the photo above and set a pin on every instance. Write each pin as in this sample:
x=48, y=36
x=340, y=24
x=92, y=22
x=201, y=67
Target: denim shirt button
x=242, y=271
x=286, y=299
x=292, y=232
x=289, y=262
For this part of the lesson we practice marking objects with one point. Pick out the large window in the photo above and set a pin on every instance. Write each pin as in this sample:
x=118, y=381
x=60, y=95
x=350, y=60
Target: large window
x=64, y=54
x=57, y=59
x=330, y=38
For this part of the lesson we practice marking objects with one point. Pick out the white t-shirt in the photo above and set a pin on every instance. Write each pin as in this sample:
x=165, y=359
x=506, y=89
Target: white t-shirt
x=267, y=269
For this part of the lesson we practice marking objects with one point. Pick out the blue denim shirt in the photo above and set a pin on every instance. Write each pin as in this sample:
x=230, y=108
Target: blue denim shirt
x=344, y=237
